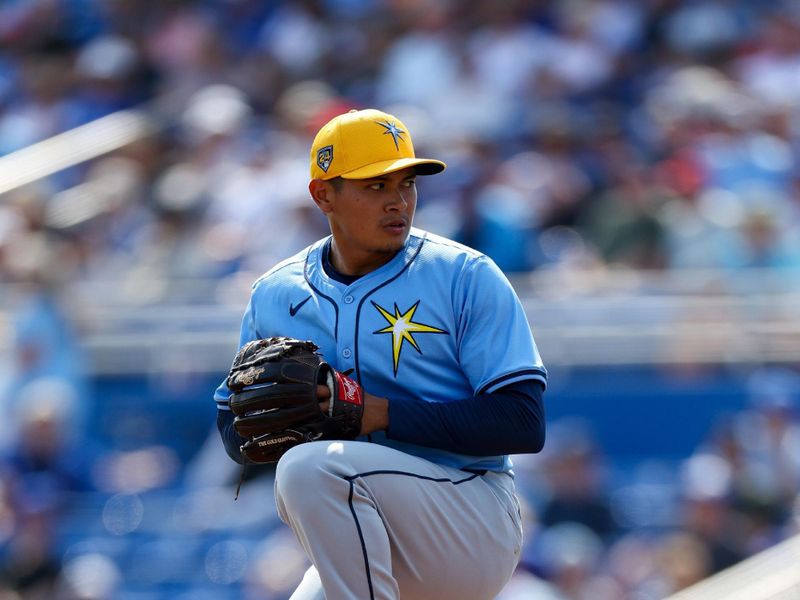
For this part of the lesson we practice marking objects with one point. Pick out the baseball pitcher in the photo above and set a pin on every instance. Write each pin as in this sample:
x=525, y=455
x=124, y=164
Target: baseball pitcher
x=389, y=372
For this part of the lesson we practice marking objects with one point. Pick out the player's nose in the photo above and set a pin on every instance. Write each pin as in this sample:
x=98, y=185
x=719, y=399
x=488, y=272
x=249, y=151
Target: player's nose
x=398, y=199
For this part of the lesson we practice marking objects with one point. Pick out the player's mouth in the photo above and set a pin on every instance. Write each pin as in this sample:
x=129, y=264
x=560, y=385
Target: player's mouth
x=395, y=225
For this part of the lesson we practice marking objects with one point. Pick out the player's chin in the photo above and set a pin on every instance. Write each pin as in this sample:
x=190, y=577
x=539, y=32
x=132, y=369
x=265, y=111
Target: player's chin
x=394, y=241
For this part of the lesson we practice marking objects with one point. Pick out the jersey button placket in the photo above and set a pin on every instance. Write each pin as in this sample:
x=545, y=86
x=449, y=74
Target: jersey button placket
x=346, y=342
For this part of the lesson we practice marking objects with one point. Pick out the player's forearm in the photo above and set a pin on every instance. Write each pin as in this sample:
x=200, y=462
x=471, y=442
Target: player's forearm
x=508, y=421
x=230, y=439
x=376, y=414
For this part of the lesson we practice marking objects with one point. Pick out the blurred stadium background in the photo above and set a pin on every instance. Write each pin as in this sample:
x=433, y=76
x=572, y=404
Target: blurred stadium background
x=634, y=166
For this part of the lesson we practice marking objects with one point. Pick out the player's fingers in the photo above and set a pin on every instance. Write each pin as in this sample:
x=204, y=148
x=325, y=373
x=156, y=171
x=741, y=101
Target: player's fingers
x=323, y=397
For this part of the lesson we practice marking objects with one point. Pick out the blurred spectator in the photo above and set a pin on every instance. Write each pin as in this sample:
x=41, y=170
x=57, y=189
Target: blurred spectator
x=571, y=556
x=707, y=512
x=35, y=269
x=28, y=564
x=47, y=466
x=624, y=225
x=681, y=559
x=574, y=474
x=50, y=455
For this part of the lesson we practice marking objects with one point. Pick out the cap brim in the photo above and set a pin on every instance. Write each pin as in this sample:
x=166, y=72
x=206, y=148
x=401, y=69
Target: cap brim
x=422, y=166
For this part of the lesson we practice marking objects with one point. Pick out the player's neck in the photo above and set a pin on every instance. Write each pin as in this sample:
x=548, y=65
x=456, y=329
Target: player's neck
x=355, y=262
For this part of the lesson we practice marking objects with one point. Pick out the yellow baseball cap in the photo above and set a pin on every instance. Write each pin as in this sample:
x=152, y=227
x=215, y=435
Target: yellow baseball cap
x=361, y=144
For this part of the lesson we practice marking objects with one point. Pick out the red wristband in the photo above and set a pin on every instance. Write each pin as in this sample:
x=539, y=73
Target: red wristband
x=349, y=390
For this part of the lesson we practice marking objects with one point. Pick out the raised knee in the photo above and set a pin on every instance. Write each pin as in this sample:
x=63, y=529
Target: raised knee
x=302, y=471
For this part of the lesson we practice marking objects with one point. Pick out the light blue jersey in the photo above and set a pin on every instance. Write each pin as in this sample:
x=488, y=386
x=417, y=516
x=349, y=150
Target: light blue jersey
x=439, y=322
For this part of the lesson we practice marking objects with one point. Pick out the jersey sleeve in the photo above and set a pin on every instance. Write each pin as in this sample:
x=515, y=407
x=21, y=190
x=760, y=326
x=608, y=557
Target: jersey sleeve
x=495, y=342
x=246, y=333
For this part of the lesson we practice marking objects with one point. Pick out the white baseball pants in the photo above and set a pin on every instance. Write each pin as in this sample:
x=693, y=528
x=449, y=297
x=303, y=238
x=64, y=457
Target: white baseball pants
x=379, y=524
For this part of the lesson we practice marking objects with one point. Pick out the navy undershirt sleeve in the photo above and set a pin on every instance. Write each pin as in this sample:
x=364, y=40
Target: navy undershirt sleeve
x=509, y=420
x=230, y=439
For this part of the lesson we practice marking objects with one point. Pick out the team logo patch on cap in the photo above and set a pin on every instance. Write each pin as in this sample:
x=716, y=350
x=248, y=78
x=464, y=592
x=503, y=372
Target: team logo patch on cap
x=325, y=157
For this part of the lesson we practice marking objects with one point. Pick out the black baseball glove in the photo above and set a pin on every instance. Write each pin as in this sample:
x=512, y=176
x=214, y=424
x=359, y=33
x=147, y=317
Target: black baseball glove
x=274, y=397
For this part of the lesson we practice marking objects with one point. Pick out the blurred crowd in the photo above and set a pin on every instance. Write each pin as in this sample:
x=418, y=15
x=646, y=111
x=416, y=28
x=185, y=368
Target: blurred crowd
x=593, y=134
x=601, y=530
x=656, y=134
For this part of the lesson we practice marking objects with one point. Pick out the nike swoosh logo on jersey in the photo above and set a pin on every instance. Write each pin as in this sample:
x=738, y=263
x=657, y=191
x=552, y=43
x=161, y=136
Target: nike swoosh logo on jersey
x=293, y=309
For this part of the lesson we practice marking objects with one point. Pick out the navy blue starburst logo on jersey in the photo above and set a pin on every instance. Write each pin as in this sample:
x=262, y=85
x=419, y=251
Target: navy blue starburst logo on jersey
x=325, y=157
x=403, y=327
x=393, y=130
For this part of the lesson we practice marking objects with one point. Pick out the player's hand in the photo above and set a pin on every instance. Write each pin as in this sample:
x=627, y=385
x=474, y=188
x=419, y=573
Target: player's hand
x=324, y=396
x=376, y=410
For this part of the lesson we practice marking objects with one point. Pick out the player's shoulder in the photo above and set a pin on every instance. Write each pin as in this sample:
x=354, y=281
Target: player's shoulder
x=437, y=249
x=287, y=270
x=433, y=245
x=467, y=266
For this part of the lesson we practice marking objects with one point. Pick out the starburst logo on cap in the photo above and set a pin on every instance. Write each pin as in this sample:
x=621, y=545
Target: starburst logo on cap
x=393, y=130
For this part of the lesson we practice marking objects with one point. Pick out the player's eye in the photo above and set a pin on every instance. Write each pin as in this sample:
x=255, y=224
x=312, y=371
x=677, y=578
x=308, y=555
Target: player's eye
x=377, y=186
x=409, y=183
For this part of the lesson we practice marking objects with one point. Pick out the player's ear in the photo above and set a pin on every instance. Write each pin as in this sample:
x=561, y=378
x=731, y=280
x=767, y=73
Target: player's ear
x=322, y=193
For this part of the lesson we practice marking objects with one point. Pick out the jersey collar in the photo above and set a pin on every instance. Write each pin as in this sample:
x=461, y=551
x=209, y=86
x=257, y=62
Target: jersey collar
x=316, y=272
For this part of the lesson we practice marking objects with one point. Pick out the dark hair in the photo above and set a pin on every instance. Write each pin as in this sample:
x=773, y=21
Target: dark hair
x=336, y=182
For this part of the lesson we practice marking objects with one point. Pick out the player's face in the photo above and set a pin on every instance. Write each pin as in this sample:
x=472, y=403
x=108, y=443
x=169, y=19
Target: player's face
x=370, y=218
